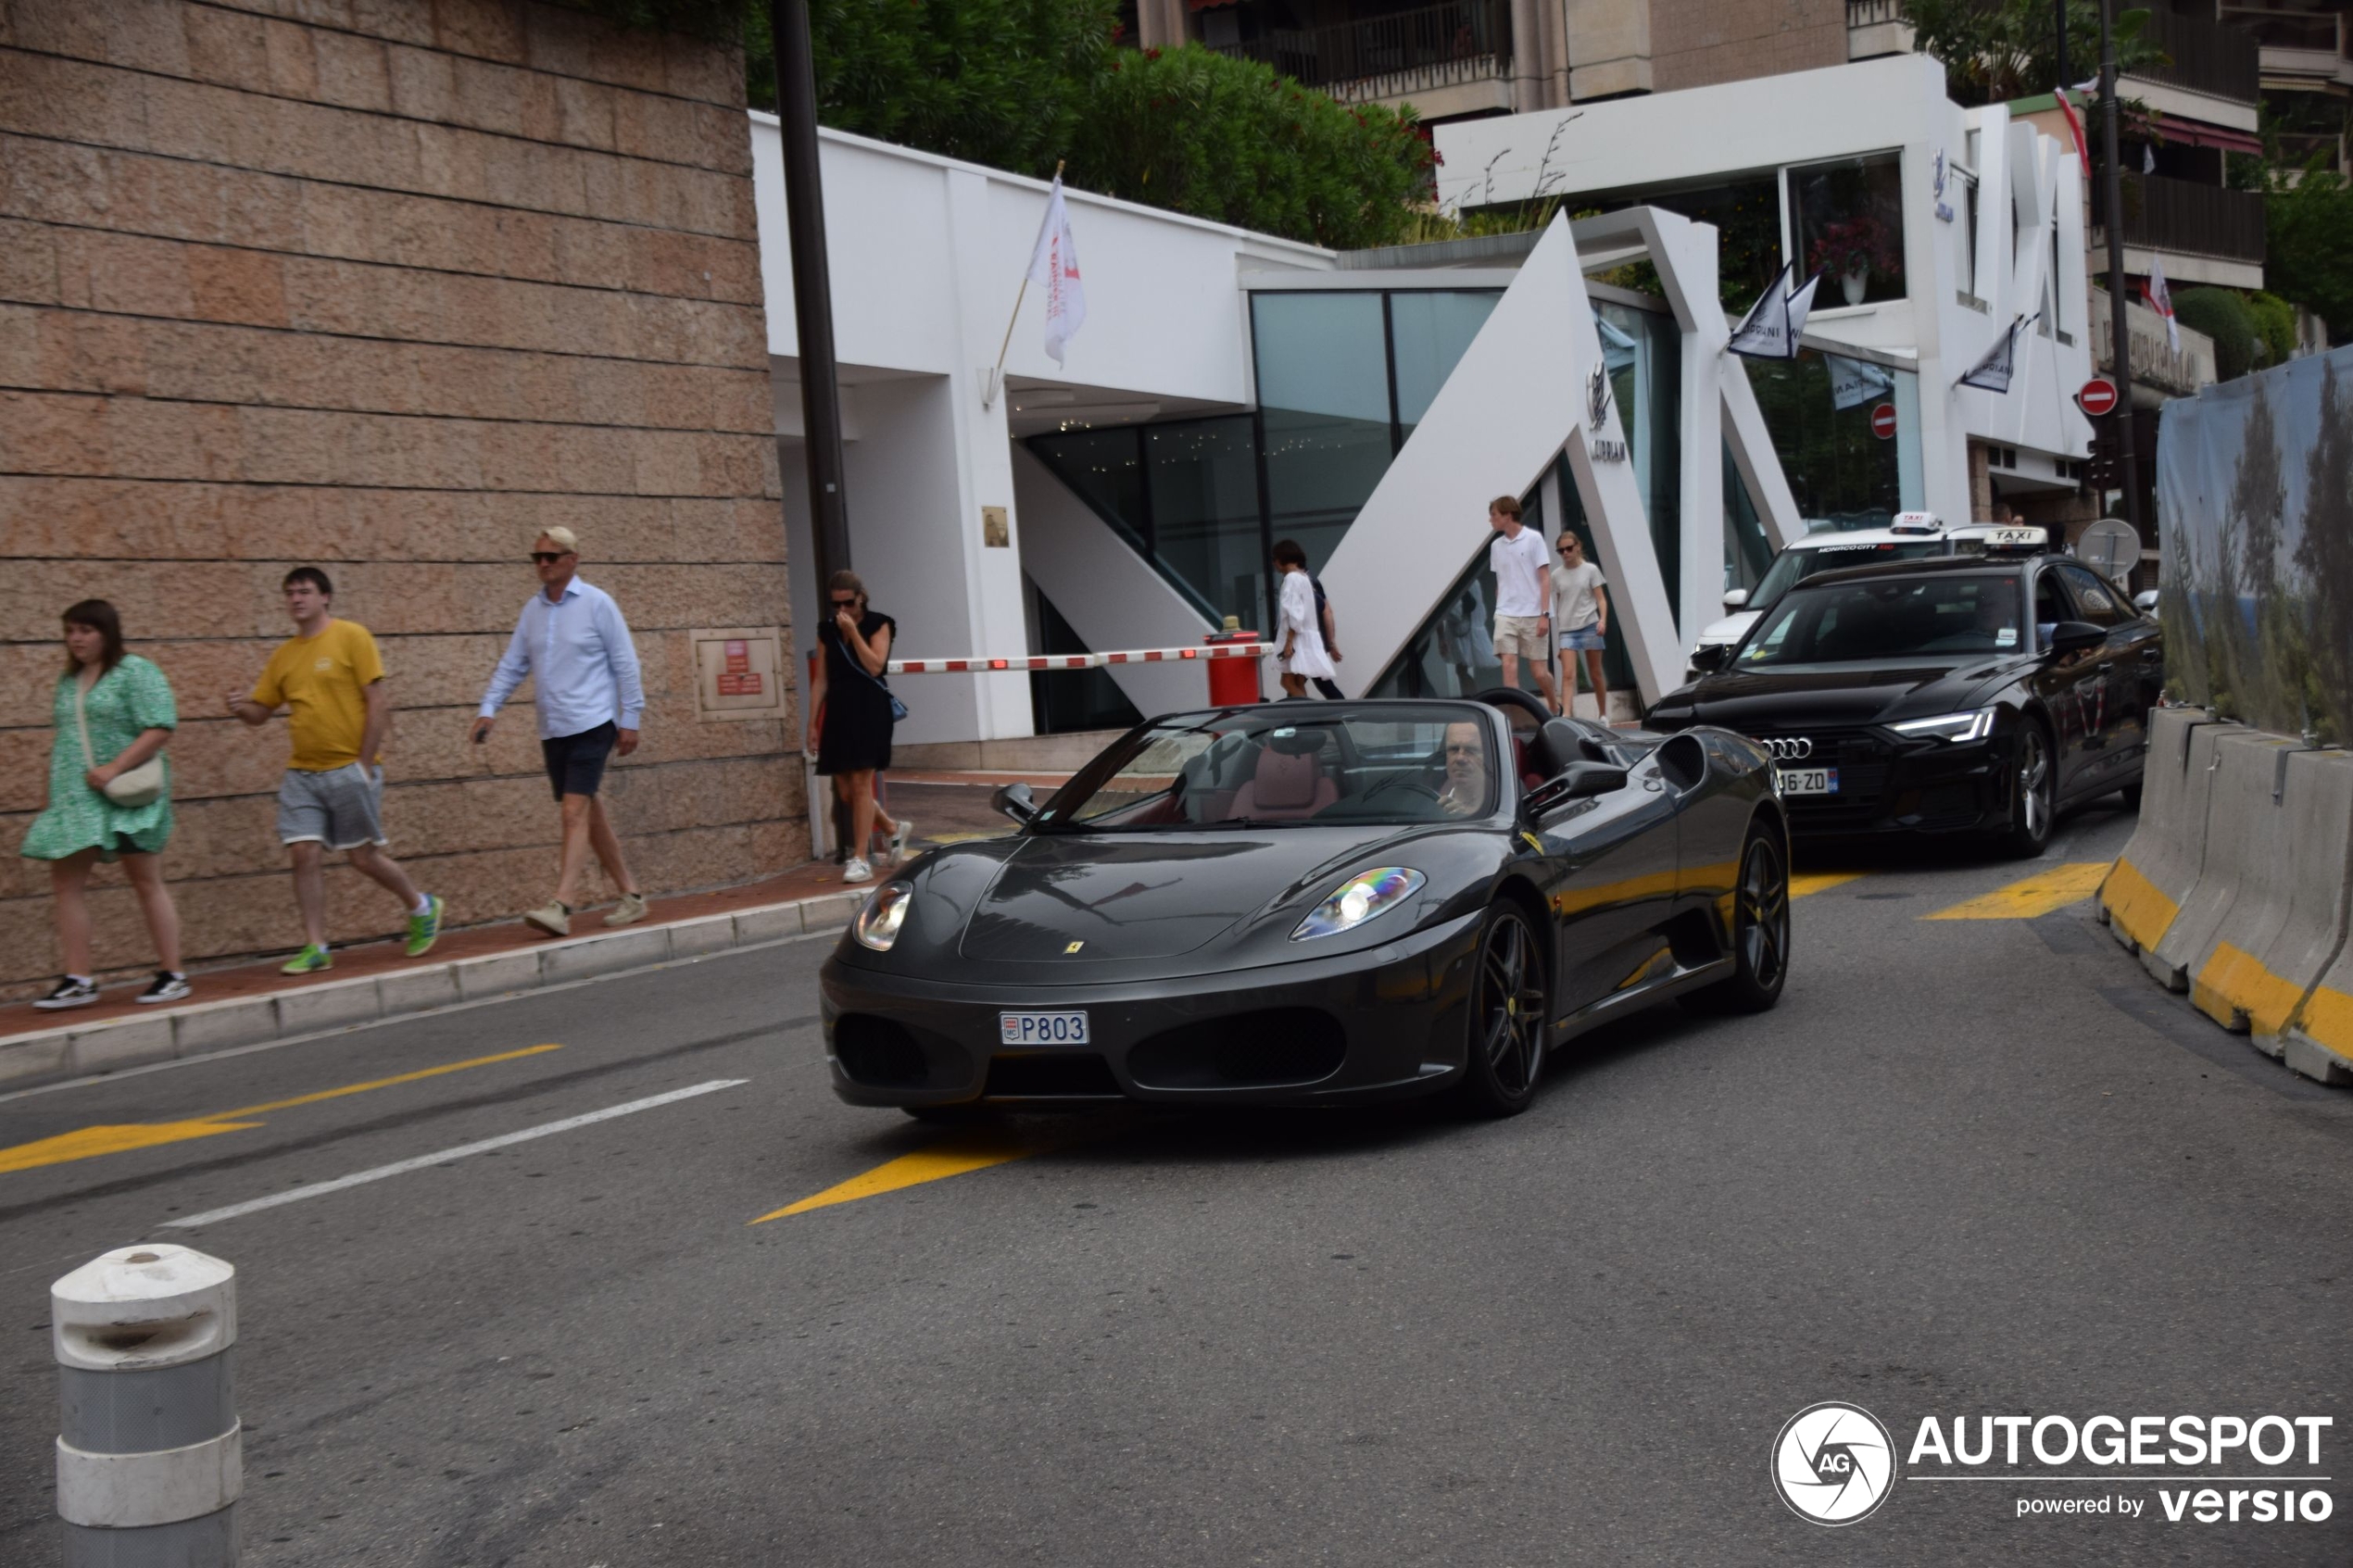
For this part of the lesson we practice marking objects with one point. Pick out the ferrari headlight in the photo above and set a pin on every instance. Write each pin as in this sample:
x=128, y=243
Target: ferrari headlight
x=877, y=924
x=1359, y=899
x=1975, y=724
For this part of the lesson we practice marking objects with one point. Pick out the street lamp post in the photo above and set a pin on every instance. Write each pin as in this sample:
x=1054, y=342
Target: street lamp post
x=2120, y=329
x=811, y=287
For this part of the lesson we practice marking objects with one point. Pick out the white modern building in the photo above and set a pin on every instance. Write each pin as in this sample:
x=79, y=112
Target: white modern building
x=1230, y=390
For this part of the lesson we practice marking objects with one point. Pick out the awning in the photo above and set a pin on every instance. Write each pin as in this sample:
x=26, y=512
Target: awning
x=2195, y=133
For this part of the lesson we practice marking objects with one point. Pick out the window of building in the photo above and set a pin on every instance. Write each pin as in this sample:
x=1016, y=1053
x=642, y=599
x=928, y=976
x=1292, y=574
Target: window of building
x=1325, y=410
x=1848, y=219
x=1747, y=215
x=1201, y=486
x=1964, y=230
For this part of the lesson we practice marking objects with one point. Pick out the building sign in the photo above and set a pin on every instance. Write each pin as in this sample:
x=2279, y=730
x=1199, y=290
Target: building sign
x=1597, y=402
x=1938, y=175
x=739, y=672
x=996, y=531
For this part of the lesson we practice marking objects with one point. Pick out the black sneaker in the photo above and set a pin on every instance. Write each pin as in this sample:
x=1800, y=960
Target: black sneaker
x=169, y=987
x=70, y=992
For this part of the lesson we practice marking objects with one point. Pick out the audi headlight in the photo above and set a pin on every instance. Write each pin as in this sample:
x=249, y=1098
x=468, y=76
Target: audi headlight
x=1359, y=899
x=877, y=924
x=1974, y=725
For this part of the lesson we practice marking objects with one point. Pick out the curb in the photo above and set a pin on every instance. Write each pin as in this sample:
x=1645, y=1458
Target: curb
x=171, y=1033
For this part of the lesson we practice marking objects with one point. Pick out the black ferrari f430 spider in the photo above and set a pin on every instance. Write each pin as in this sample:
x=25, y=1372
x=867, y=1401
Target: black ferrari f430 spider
x=1315, y=903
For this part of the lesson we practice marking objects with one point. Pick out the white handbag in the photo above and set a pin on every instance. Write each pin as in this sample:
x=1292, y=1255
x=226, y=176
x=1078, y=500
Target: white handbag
x=142, y=785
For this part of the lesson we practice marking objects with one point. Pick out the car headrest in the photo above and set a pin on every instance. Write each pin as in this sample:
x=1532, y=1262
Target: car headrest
x=1287, y=781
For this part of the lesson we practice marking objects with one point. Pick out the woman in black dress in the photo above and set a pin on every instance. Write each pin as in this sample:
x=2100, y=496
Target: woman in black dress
x=855, y=740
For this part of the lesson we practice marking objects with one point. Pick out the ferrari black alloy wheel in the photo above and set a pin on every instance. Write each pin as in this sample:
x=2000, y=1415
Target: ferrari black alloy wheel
x=2034, y=791
x=1760, y=930
x=1507, y=1016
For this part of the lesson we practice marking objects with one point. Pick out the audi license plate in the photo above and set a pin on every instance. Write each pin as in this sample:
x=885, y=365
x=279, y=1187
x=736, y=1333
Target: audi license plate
x=1042, y=1028
x=1799, y=780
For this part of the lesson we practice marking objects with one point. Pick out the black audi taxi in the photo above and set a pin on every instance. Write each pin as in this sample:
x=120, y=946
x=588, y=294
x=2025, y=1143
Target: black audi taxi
x=1968, y=694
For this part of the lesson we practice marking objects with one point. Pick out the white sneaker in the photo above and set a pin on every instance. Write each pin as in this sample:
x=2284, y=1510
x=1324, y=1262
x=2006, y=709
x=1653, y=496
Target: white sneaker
x=900, y=837
x=857, y=870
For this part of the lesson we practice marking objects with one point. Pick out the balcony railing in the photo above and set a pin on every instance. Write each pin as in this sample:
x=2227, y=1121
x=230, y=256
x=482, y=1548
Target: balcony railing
x=2207, y=56
x=2307, y=30
x=1871, y=13
x=2186, y=218
x=1406, y=52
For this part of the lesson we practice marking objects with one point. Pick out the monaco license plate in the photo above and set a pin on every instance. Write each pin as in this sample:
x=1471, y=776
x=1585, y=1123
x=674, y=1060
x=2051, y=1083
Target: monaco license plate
x=1042, y=1028
x=1808, y=781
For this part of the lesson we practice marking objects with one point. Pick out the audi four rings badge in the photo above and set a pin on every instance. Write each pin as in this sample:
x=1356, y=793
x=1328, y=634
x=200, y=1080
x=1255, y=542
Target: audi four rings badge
x=1789, y=748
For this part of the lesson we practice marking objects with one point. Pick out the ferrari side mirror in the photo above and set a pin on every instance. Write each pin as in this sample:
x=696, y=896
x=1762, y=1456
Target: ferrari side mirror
x=1014, y=800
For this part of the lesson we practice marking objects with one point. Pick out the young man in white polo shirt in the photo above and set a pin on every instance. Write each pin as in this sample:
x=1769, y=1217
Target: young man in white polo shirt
x=1523, y=595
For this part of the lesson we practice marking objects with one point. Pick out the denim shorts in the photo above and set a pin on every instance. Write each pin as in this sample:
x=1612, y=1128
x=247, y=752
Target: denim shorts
x=341, y=807
x=1584, y=639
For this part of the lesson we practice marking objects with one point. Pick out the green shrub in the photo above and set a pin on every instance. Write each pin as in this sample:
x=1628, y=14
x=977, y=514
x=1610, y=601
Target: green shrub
x=1227, y=139
x=2221, y=315
x=2274, y=327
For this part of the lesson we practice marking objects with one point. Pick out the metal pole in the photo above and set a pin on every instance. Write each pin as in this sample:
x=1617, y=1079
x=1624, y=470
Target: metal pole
x=2062, y=5
x=811, y=289
x=2119, y=329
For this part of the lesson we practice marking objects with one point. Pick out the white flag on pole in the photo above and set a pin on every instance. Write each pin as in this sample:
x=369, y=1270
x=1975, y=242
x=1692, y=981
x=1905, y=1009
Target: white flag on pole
x=2161, y=301
x=1993, y=372
x=1763, y=333
x=1799, y=303
x=1054, y=266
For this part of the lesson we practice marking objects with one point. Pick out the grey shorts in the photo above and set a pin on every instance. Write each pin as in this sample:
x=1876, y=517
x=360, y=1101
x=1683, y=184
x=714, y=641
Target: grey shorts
x=341, y=809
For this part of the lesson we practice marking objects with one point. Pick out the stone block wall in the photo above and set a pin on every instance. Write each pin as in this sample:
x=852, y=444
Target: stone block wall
x=1699, y=43
x=385, y=286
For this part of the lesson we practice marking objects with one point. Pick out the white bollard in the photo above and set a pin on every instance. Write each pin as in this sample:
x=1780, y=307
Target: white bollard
x=150, y=1455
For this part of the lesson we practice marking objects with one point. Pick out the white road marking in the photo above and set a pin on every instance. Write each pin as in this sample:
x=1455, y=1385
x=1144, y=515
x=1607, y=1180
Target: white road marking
x=401, y=1167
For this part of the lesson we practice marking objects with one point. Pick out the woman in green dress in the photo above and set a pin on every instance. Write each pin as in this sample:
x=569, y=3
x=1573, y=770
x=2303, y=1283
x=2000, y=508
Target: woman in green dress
x=126, y=714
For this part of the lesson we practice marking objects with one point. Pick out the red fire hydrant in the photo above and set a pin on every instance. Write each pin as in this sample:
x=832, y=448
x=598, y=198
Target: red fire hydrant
x=1233, y=682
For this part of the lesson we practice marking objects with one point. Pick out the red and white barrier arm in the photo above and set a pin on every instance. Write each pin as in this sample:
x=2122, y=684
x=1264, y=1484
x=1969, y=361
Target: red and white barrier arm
x=978, y=666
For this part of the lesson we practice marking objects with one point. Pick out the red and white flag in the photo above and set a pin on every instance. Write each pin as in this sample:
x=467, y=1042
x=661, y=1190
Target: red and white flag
x=1054, y=266
x=2074, y=129
x=2160, y=300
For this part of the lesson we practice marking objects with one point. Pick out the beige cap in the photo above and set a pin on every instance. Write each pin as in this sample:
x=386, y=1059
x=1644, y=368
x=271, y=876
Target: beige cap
x=563, y=538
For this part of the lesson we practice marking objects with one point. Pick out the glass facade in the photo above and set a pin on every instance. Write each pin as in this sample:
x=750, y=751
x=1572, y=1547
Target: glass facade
x=1818, y=408
x=1848, y=217
x=1746, y=211
x=1061, y=701
x=1344, y=377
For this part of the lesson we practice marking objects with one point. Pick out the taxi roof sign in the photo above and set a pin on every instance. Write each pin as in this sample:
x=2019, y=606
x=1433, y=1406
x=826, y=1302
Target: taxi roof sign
x=1916, y=523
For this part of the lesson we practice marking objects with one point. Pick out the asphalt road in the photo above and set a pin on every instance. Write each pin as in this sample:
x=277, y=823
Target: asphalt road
x=1968, y=1167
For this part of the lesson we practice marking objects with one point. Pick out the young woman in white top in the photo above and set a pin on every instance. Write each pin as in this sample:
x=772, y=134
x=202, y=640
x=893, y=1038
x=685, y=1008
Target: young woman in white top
x=1581, y=612
x=1303, y=656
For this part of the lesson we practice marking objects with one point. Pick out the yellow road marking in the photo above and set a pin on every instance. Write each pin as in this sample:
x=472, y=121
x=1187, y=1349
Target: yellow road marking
x=1815, y=881
x=972, y=1151
x=2035, y=896
x=88, y=1143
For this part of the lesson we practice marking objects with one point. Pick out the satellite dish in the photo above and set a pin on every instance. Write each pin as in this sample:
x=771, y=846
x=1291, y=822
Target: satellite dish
x=2110, y=547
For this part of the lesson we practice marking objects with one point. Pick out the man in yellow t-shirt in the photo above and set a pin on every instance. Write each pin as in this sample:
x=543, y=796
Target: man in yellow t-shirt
x=330, y=681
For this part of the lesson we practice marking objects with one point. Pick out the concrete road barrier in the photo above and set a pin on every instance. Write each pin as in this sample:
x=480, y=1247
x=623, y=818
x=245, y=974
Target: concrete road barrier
x=150, y=1454
x=2226, y=924
x=2289, y=921
x=2160, y=867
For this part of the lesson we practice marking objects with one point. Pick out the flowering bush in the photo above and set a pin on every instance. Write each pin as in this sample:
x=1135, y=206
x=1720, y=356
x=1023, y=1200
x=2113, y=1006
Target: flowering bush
x=1855, y=244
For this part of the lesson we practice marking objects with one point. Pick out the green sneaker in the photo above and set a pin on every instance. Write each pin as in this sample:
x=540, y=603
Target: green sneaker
x=312, y=960
x=424, y=930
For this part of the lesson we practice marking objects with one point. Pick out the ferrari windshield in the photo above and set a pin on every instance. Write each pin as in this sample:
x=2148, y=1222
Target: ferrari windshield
x=1299, y=762
x=1884, y=619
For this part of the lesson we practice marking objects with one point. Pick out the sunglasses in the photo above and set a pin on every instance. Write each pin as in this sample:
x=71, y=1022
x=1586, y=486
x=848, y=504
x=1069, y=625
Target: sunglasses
x=845, y=604
x=543, y=557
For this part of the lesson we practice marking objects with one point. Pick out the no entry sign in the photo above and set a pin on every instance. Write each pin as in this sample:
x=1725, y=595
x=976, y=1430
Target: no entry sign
x=2097, y=396
x=1883, y=422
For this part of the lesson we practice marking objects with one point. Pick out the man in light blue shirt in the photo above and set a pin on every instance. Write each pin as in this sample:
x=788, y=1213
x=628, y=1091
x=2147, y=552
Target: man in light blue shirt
x=571, y=641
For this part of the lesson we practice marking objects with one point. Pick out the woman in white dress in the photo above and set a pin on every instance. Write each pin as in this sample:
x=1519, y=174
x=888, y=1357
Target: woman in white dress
x=1304, y=658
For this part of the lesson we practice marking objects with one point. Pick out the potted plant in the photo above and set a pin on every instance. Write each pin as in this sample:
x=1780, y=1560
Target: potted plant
x=1851, y=249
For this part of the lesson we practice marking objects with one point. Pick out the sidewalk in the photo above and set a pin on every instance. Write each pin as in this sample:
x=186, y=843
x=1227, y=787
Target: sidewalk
x=253, y=1003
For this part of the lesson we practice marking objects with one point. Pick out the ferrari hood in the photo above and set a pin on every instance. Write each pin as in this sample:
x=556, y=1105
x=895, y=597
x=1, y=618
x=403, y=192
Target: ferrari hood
x=1139, y=898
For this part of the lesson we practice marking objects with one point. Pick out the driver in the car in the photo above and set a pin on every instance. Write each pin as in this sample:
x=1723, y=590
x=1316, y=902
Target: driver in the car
x=1465, y=791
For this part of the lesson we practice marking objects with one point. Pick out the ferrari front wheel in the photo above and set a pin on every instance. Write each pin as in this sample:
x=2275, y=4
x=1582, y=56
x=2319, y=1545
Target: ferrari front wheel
x=1506, y=1048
